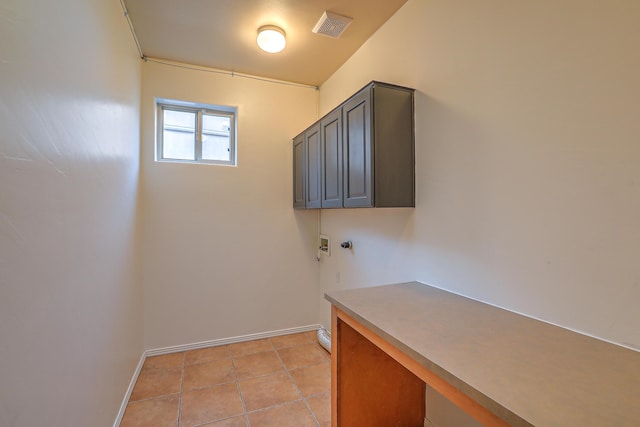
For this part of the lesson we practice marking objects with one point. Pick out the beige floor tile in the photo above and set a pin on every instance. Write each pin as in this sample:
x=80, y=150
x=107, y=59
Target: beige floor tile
x=206, y=354
x=301, y=356
x=257, y=364
x=293, y=414
x=262, y=392
x=248, y=347
x=313, y=379
x=210, y=404
x=229, y=422
x=156, y=383
x=321, y=407
x=159, y=412
x=204, y=381
x=208, y=374
x=166, y=361
x=293, y=340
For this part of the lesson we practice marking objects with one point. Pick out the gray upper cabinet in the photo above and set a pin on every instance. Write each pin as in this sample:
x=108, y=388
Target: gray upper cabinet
x=331, y=159
x=393, y=152
x=357, y=146
x=312, y=190
x=361, y=154
x=299, y=172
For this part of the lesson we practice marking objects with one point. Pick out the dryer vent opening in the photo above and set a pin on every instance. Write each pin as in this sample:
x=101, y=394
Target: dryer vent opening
x=324, y=339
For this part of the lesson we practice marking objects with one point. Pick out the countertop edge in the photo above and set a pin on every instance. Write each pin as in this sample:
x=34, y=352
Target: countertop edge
x=475, y=394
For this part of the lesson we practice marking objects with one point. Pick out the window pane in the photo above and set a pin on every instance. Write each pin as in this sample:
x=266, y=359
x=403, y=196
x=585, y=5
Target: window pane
x=178, y=136
x=196, y=133
x=178, y=145
x=215, y=148
x=185, y=120
x=216, y=137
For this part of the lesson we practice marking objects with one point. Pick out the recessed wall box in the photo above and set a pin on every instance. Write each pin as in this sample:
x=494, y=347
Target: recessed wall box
x=325, y=245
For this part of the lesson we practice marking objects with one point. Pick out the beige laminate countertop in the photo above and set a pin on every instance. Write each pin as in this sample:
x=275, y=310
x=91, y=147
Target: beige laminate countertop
x=526, y=371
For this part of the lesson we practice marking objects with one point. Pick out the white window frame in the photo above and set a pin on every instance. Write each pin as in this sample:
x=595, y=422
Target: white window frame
x=200, y=109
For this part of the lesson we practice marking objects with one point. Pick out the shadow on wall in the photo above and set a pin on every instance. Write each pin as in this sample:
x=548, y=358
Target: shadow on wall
x=456, y=174
x=306, y=221
x=381, y=247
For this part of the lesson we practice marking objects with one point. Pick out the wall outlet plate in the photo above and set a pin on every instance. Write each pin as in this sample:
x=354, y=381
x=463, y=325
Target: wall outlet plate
x=325, y=244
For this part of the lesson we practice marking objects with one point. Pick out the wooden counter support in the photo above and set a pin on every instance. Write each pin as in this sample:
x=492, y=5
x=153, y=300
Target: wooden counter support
x=370, y=387
x=501, y=368
x=375, y=384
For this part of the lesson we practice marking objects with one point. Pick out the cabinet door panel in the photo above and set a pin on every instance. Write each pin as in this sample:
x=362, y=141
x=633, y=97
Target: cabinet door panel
x=361, y=154
x=357, y=147
x=331, y=140
x=312, y=141
x=299, y=172
x=393, y=153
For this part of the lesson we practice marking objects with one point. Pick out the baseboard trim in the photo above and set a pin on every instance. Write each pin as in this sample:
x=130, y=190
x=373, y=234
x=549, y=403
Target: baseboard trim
x=197, y=346
x=132, y=383
x=232, y=340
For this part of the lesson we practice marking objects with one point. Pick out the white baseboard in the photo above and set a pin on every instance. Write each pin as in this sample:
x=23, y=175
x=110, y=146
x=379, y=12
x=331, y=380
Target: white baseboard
x=199, y=345
x=232, y=340
x=132, y=383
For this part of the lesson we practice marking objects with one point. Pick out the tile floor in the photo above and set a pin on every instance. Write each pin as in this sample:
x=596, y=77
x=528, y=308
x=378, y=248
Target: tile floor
x=282, y=381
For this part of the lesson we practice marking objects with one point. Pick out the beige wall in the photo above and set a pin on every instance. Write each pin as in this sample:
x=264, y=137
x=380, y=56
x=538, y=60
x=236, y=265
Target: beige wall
x=70, y=294
x=527, y=157
x=224, y=253
x=528, y=189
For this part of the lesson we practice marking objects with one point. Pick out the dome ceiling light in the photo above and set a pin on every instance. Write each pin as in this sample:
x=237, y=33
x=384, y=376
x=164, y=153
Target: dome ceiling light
x=271, y=39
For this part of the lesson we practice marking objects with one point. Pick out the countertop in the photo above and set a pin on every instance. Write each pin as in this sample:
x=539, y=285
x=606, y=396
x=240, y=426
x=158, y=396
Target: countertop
x=526, y=371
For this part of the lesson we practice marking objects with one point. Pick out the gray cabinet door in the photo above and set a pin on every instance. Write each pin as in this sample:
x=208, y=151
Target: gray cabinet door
x=331, y=152
x=357, y=146
x=361, y=154
x=299, y=172
x=393, y=158
x=312, y=142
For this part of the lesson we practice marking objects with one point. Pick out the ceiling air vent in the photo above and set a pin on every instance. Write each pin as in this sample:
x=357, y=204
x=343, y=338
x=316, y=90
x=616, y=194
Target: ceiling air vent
x=331, y=24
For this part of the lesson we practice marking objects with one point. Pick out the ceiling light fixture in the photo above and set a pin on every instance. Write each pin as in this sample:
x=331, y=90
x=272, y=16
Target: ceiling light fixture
x=271, y=38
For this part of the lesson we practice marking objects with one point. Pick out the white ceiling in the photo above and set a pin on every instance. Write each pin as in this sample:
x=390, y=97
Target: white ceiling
x=222, y=34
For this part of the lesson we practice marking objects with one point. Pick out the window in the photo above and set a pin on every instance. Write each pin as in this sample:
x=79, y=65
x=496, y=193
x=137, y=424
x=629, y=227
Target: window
x=195, y=133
